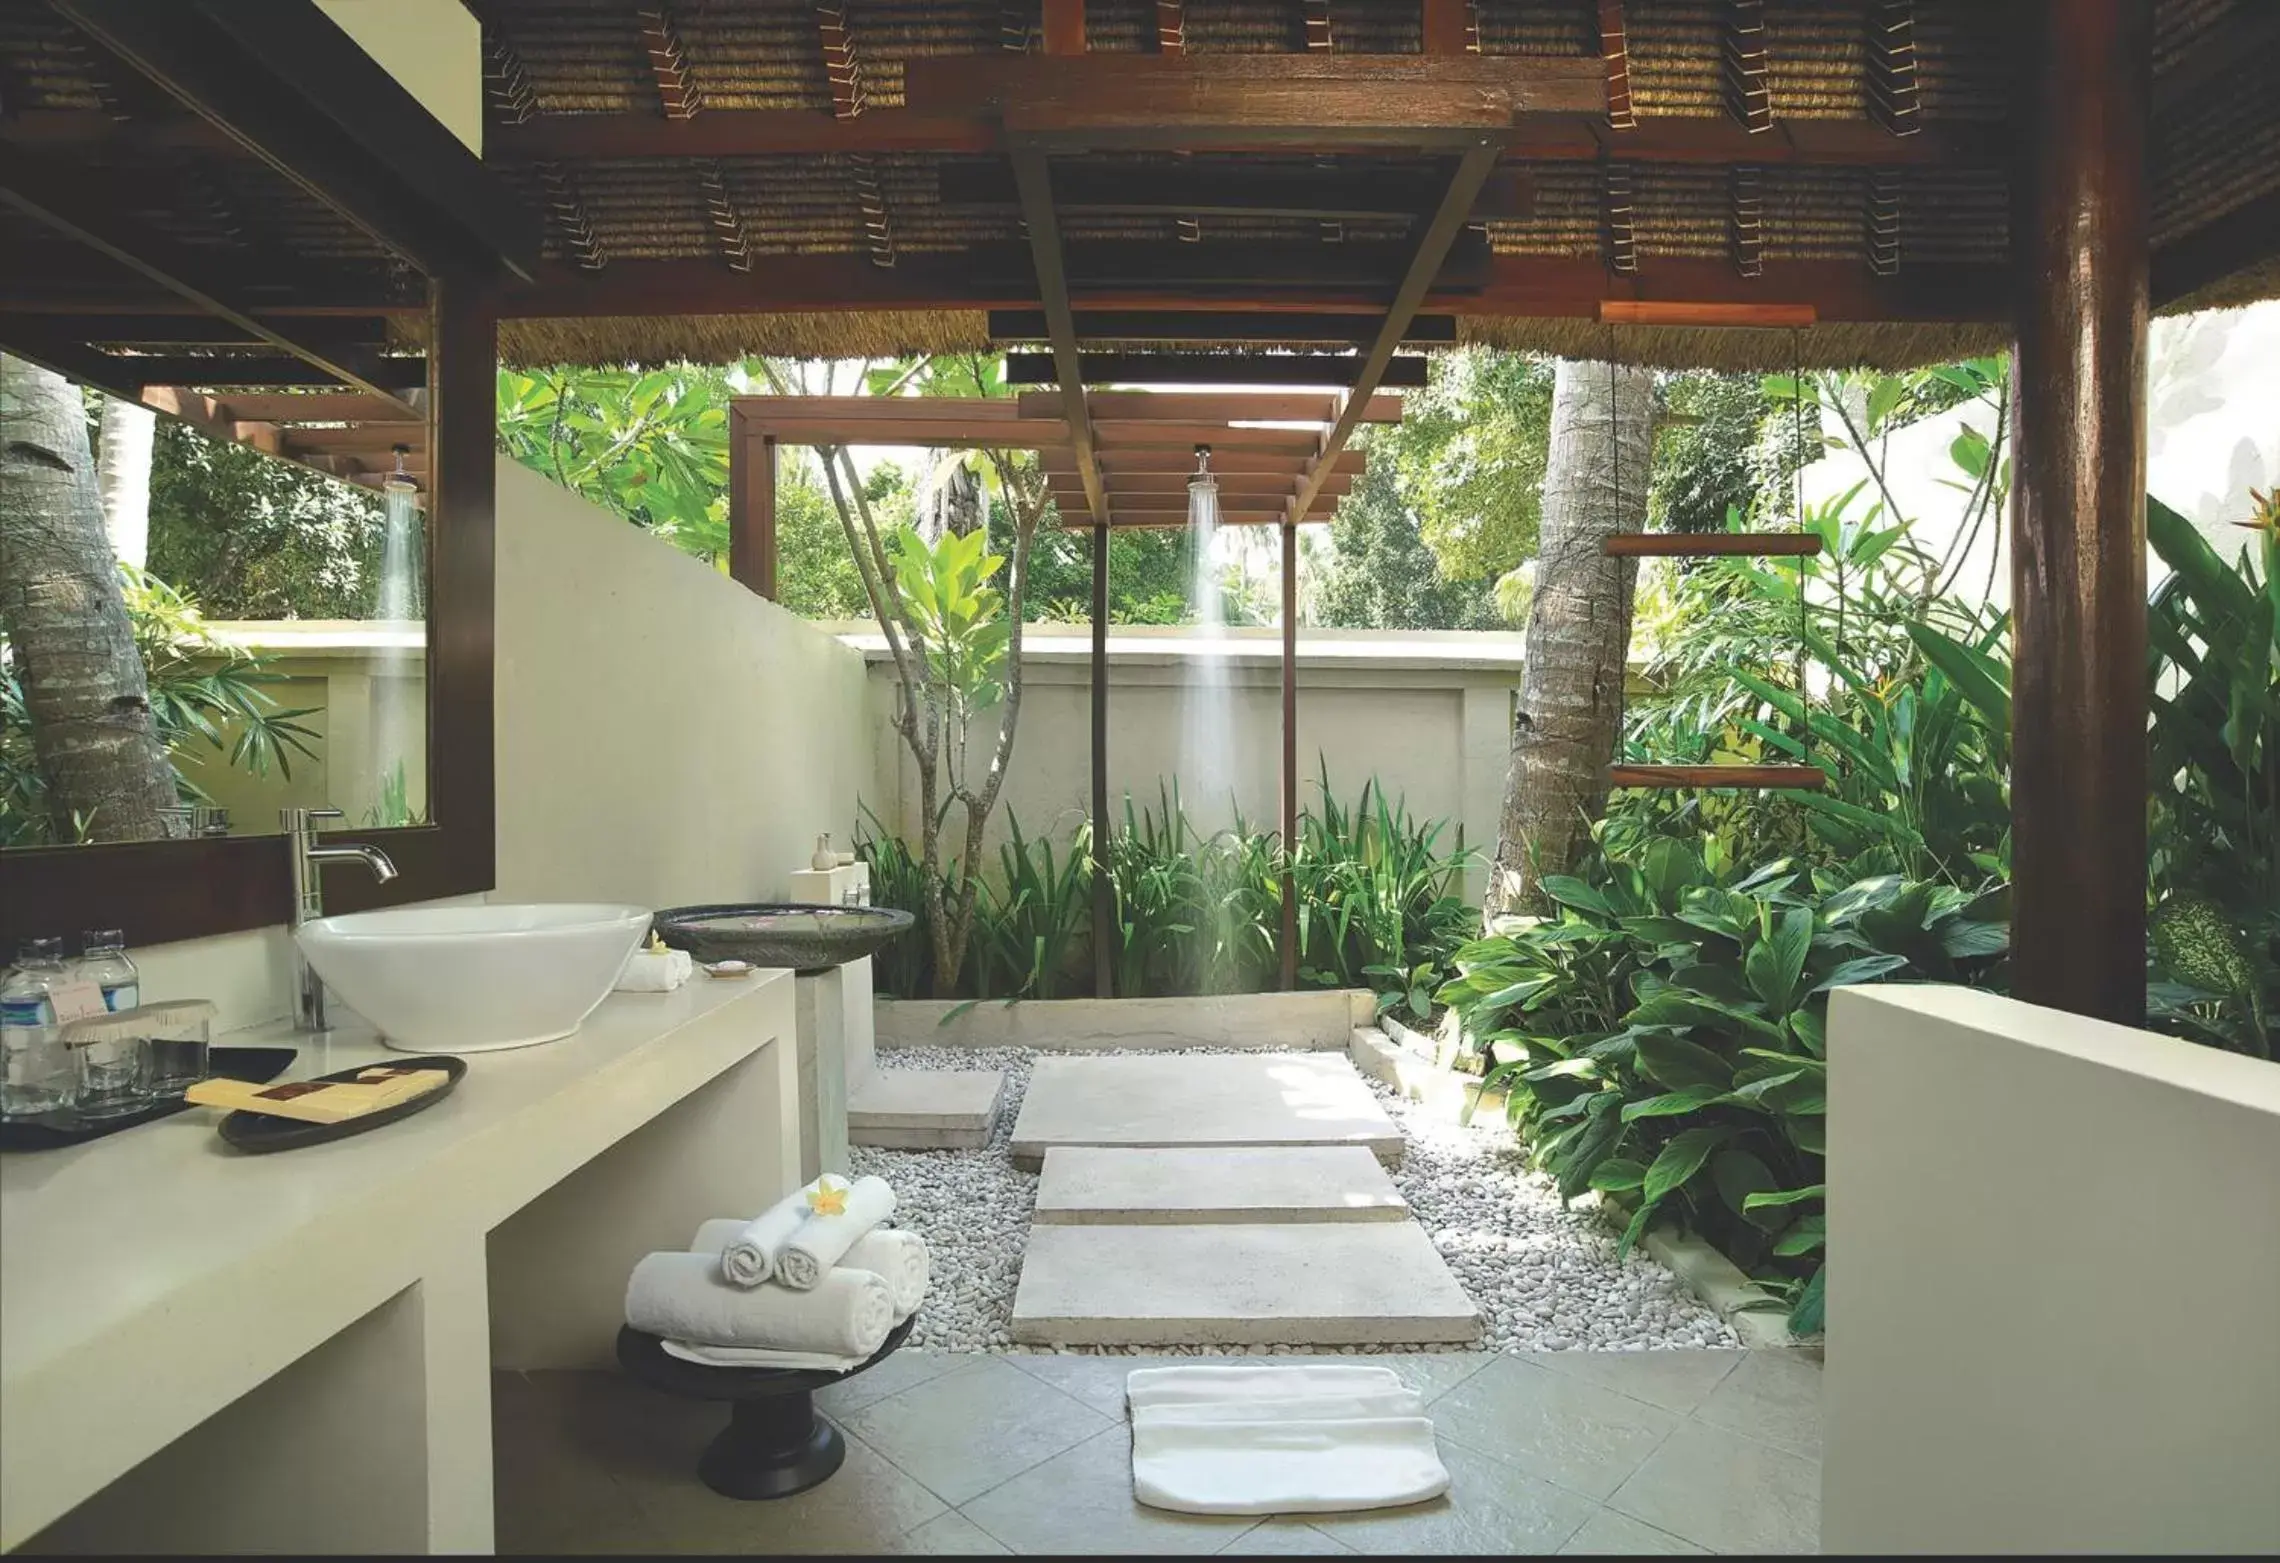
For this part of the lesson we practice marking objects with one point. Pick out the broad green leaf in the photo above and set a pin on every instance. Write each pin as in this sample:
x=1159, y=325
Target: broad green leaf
x=1678, y=1064
x=1808, y=1234
x=1776, y=963
x=1782, y=1197
x=1617, y=1175
x=1682, y=1158
x=1673, y=1103
x=1569, y=891
x=1738, y=1173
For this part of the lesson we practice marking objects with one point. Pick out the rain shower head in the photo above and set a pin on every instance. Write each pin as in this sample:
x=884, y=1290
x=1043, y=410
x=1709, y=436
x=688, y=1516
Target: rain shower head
x=399, y=481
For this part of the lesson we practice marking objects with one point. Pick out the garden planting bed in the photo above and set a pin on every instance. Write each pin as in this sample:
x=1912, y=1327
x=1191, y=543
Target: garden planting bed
x=1309, y=1018
x=1545, y=1278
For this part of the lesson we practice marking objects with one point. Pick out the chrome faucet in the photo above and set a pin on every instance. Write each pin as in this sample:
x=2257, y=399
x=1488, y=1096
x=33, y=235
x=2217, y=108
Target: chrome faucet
x=308, y=860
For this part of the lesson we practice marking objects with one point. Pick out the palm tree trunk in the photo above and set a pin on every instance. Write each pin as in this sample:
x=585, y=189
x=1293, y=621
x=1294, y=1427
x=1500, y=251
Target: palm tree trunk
x=1579, y=629
x=69, y=636
x=122, y=473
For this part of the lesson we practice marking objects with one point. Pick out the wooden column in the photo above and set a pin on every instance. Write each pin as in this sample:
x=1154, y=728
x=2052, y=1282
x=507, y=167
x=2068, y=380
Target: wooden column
x=1289, y=751
x=1104, y=899
x=463, y=446
x=2078, y=769
x=751, y=504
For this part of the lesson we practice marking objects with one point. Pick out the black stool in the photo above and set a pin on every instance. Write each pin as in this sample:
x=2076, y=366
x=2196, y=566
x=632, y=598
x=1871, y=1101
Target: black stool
x=774, y=1445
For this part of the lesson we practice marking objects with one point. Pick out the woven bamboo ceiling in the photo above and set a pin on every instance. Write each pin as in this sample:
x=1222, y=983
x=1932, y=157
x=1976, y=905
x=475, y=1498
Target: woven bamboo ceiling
x=718, y=177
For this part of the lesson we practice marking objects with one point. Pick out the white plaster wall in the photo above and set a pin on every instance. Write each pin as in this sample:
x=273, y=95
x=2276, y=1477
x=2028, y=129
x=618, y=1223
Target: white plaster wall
x=434, y=48
x=1428, y=716
x=2054, y=1249
x=663, y=737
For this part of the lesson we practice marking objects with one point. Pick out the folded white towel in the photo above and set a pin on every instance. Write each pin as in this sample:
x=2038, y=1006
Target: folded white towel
x=759, y=1357
x=683, y=1297
x=1187, y=1386
x=1285, y=1467
x=748, y=1255
x=1305, y=1439
x=822, y=1241
x=655, y=971
x=899, y=1256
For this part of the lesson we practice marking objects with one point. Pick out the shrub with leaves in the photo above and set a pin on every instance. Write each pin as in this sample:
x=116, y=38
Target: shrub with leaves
x=1661, y=1039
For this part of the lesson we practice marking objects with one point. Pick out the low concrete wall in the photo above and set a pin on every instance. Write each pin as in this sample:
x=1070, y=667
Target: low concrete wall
x=1316, y=1018
x=2054, y=1248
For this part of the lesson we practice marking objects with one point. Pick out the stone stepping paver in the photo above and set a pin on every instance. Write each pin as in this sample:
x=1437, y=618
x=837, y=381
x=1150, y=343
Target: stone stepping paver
x=926, y=1109
x=1188, y=1100
x=1085, y=1184
x=1315, y=1283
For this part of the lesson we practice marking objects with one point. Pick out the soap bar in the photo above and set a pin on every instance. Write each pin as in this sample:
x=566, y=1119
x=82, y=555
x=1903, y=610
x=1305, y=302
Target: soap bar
x=319, y=1101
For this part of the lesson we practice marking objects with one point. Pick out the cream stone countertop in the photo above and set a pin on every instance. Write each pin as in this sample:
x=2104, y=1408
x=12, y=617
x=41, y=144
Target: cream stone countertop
x=149, y=1278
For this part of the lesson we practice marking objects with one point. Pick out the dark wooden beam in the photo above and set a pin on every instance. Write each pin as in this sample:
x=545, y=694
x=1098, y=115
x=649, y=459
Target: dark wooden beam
x=728, y=222
x=287, y=84
x=32, y=191
x=1212, y=369
x=1288, y=942
x=1314, y=20
x=566, y=210
x=1618, y=235
x=677, y=95
x=1103, y=890
x=751, y=501
x=2078, y=681
x=2241, y=237
x=1749, y=90
x=1881, y=219
x=842, y=63
x=1447, y=27
x=1835, y=143
x=1203, y=102
x=1747, y=188
x=1892, y=95
x=1214, y=190
x=152, y=330
x=1171, y=26
x=1432, y=246
x=1064, y=27
x=1615, y=55
x=1766, y=315
x=136, y=372
x=1172, y=325
x=1035, y=176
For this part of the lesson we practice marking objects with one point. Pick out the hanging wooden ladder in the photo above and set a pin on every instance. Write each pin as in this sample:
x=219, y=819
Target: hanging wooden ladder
x=1716, y=545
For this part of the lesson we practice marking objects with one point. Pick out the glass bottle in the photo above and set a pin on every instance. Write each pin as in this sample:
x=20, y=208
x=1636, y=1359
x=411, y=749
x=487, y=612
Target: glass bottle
x=37, y=1070
x=105, y=964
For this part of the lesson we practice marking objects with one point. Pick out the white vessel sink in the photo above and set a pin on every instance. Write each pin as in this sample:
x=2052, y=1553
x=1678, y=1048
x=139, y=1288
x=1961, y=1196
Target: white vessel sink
x=471, y=979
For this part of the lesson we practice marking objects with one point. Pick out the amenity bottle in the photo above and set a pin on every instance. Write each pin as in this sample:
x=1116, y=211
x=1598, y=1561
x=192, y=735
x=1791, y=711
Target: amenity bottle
x=37, y=1077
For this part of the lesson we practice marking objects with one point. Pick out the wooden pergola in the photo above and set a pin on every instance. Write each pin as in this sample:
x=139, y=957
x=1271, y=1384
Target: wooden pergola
x=1244, y=192
x=1278, y=458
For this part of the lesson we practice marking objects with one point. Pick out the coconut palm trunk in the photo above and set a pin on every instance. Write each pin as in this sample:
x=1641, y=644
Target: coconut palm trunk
x=1579, y=629
x=71, y=642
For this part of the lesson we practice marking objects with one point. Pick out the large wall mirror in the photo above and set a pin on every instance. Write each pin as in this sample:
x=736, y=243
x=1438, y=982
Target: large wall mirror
x=246, y=443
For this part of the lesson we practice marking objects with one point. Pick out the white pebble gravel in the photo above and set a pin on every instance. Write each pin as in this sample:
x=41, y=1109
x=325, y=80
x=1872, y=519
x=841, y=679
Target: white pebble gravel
x=1544, y=1277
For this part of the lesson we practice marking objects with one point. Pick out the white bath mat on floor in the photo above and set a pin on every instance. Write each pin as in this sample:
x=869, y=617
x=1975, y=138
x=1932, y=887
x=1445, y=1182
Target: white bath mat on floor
x=1299, y=1440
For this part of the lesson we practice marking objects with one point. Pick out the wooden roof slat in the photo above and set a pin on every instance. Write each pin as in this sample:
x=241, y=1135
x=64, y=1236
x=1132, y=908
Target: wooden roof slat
x=677, y=95
x=320, y=407
x=1222, y=190
x=1147, y=434
x=1213, y=369
x=1141, y=485
x=1034, y=175
x=1615, y=54
x=1171, y=26
x=1121, y=462
x=1892, y=93
x=842, y=62
x=1749, y=92
x=1194, y=406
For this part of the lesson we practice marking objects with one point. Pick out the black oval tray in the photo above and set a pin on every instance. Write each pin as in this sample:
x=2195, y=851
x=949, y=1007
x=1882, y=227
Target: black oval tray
x=260, y=1132
x=255, y=1065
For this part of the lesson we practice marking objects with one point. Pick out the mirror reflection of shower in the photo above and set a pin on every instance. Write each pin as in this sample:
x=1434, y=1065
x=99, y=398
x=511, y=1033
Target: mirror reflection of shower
x=399, y=696
x=1207, y=747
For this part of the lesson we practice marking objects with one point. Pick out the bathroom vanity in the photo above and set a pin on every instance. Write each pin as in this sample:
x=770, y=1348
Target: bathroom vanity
x=204, y=1351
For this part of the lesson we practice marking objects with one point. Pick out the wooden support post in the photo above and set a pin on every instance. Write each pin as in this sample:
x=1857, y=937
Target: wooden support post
x=751, y=505
x=1289, y=750
x=2078, y=766
x=1064, y=26
x=1103, y=894
x=462, y=518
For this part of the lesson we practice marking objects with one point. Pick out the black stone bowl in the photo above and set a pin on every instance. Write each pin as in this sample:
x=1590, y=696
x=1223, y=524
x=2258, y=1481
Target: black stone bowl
x=802, y=936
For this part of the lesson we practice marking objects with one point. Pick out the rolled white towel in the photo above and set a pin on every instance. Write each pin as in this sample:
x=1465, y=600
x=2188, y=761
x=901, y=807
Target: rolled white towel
x=822, y=1241
x=900, y=1256
x=1241, y=1384
x=655, y=971
x=748, y=1255
x=758, y=1357
x=682, y=1297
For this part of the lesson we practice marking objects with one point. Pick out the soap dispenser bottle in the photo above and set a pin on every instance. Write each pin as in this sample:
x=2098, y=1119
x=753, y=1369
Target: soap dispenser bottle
x=825, y=860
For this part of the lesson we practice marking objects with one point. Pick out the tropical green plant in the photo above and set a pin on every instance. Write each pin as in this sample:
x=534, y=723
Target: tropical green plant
x=1380, y=903
x=1033, y=926
x=1661, y=1039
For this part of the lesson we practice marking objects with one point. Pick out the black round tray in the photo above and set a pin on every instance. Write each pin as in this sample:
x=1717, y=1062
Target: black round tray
x=53, y=1131
x=260, y=1132
x=805, y=936
x=774, y=1445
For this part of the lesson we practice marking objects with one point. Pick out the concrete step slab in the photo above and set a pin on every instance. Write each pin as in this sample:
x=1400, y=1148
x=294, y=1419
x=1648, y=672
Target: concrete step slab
x=926, y=1109
x=1090, y=1184
x=1316, y=1283
x=1187, y=1100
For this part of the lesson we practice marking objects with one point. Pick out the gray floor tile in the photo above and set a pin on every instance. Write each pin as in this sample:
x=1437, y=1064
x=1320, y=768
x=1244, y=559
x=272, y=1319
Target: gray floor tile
x=866, y=1506
x=951, y=1532
x=969, y=1430
x=1774, y=1397
x=551, y=1491
x=1490, y=1507
x=1728, y=1493
x=1097, y=1381
x=1610, y=1534
x=1286, y=1536
x=1585, y=1438
x=904, y=1370
x=1081, y=1501
x=1674, y=1380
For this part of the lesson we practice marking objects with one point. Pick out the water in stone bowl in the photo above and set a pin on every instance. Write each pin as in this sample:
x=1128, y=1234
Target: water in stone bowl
x=803, y=937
